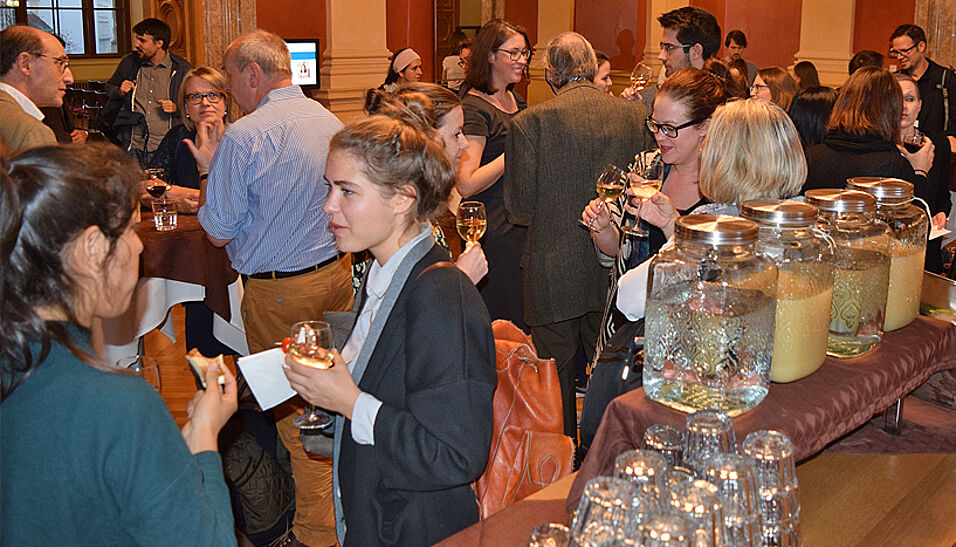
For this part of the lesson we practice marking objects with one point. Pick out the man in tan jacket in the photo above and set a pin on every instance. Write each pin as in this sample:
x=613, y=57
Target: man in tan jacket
x=34, y=72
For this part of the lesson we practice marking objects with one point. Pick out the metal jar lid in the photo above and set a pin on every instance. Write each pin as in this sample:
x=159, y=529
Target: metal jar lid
x=779, y=212
x=716, y=229
x=883, y=189
x=841, y=201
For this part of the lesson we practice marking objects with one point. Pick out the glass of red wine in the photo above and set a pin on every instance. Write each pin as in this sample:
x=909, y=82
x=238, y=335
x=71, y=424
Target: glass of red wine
x=156, y=184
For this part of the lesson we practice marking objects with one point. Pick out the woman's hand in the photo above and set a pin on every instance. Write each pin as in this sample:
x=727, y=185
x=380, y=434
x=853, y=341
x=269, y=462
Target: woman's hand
x=922, y=159
x=472, y=261
x=332, y=389
x=631, y=93
x=187, y=198
x=209, y=410
x=596, y=216
x=939, y=220
x=659, y=210
x=208, y=135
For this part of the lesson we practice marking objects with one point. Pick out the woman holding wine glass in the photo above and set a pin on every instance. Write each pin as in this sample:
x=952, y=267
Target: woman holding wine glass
x=91, y=455
x=682, y=109
x=415, y=416
x=500, y=54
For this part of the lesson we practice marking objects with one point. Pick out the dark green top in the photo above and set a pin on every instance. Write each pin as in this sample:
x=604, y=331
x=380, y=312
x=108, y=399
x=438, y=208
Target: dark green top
x=92, y=458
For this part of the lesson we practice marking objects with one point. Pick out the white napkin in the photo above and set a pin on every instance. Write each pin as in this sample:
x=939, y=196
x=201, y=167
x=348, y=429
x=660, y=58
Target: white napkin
x=938, y=232
x=263, y=371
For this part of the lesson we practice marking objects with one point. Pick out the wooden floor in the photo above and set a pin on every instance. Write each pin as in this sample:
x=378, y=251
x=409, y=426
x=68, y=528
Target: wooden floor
x=177, y=384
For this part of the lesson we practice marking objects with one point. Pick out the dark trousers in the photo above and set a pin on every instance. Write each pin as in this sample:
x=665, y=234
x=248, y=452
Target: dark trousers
x=560, y=341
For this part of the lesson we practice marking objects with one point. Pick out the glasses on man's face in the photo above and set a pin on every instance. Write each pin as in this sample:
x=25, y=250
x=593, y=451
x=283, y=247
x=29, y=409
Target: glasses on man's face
x=517, y=54
x=61, y=62
x=668, y=129
x=196, y=98
x=669, y=48
x=904, y=51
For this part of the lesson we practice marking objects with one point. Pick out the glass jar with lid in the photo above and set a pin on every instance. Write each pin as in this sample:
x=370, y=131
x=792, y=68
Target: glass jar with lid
x=909, y=226
x=861, y=268
x=710, y=315
x=804, y=283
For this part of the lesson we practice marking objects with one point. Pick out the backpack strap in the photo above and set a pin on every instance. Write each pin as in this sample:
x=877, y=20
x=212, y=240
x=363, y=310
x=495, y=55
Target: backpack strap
x=442, y=264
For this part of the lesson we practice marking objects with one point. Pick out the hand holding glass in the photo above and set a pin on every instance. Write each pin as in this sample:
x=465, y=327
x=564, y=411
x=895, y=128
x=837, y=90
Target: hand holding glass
x=471, y=221
x=641, y=76
x=610, y=186
x=156, y=184
x=644, y=186
x=311, y=346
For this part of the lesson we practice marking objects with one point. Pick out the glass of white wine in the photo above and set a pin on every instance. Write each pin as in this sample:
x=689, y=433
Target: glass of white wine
x=641, y=76
x=649, y=180
x=609, y=186
x=471, y=222
x=311, y=345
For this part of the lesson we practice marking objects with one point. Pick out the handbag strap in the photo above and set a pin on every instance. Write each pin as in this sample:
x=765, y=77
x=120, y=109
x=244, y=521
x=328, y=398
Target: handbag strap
x=442, y=264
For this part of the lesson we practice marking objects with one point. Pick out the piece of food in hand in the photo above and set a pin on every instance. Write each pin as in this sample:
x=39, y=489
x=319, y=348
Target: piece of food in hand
x=199, y=363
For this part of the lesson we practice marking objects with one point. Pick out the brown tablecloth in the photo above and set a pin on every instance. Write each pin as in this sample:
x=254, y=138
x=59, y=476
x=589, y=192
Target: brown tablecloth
x=185, y=254
x=814, y=411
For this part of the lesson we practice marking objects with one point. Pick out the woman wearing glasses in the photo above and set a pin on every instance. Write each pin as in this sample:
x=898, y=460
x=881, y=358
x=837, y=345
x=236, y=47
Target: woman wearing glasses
x=203, y=101
x=774, y=85
x=499, y=57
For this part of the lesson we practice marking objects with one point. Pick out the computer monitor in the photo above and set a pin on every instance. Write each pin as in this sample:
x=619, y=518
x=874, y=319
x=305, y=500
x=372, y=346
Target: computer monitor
x=305, y=62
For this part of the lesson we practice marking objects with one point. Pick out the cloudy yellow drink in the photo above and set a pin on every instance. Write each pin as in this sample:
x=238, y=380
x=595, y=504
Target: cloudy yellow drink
x=905, y=287
x=802, y=327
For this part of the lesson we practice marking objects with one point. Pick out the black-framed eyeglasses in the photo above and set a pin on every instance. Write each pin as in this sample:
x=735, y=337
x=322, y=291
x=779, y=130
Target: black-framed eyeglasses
x=668, y=129
x=904, y=51
x=669, y=48
x=516, y=54
x=463, y=62
x=62, y=63
x=196, y=98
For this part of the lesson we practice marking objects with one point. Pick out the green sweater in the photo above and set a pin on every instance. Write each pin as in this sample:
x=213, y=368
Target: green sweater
x=92, y=458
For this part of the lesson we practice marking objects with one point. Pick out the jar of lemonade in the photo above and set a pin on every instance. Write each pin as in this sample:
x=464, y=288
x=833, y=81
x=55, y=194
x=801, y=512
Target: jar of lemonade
x=909, y=226
x=710, y=315
x=804, y=284
x=861, y=268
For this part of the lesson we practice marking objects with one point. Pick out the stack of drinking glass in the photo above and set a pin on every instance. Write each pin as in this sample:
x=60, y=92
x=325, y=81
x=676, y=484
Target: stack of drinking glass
x=690, y=489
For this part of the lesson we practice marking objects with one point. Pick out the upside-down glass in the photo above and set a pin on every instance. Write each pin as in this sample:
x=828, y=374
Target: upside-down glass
x=551, y=534
x=646, y=470
x=602, y=512
x=733, y=475
x=666, y=530
x=667, y=440
x=699, y=503
x=772, y=453
x=709, y=432
x=311, y=346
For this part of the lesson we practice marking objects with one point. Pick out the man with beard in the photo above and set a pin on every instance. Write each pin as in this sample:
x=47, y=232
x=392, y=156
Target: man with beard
x=143, y=91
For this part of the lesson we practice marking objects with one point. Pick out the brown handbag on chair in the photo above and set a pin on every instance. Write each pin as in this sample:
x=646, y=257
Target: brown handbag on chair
x=529, y=449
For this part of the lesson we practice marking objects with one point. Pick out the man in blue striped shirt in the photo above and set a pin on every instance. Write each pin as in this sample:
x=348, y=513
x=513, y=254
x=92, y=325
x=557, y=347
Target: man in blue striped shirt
x=263, y=202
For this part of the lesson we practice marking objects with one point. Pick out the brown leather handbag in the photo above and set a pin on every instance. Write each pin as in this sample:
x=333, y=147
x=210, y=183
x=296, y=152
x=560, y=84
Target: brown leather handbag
x=529, y=449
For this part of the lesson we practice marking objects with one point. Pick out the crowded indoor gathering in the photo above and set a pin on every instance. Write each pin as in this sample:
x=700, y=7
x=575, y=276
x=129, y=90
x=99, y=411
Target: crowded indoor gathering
x=539, y=273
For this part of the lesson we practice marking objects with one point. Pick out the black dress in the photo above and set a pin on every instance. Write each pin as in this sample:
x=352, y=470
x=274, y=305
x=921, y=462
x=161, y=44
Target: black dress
x=503, y=243
x=174, y=156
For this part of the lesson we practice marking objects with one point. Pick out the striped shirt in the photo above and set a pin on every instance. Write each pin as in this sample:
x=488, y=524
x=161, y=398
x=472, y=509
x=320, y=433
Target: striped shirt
x=266, y=189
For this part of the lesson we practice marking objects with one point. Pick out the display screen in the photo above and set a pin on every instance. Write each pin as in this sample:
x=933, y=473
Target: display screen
x=305, y=61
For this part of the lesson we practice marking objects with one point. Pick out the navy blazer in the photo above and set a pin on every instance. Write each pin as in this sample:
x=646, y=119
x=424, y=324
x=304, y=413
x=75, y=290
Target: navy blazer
x=433, y=368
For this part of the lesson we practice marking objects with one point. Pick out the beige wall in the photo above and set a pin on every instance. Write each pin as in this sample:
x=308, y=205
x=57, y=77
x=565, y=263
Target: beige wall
x=469, y=13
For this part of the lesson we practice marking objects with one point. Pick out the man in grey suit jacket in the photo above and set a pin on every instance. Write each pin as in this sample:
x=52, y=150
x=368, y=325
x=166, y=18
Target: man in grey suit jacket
x=555, y=152
x=34, y=73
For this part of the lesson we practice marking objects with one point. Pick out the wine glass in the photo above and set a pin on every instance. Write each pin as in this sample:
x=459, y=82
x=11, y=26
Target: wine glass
x=471, y=221
x=156, y=184
x=641, y=76
x=311, y=346
x=651, y=173
x=145, y=367
x=609, y=186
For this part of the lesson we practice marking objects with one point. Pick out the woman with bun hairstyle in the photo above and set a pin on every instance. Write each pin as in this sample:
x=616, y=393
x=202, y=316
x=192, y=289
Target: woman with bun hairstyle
x=405, y=67
x=444, y=112
x=415, y=413
x=91, y=455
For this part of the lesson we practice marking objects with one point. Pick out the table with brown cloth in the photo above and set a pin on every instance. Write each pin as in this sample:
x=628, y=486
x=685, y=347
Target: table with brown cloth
x=177, y=266
x=842, y=395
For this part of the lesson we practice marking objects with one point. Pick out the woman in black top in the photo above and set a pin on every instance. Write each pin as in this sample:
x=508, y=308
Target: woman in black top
x=500, y=55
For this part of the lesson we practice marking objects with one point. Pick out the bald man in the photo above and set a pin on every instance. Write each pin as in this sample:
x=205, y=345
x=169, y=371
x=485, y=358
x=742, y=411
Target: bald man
x=34, y=73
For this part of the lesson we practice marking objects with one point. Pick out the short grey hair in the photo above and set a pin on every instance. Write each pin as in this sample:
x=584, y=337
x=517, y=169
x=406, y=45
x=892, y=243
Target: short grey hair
x=569, y=58
x=263, y=48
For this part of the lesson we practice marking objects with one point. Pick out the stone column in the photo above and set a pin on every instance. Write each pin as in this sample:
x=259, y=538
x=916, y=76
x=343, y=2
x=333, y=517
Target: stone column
x=554, y=17
x=826, y=38
x=355, y=58
x=203, y=29
x=938, y=19
x=653, y=32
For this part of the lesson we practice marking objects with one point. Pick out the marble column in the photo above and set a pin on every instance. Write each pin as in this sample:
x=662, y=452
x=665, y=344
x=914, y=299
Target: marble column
x=554, y=17
x=826, y=38
x=938, y=19
x=355, y=56
x=203, y=29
